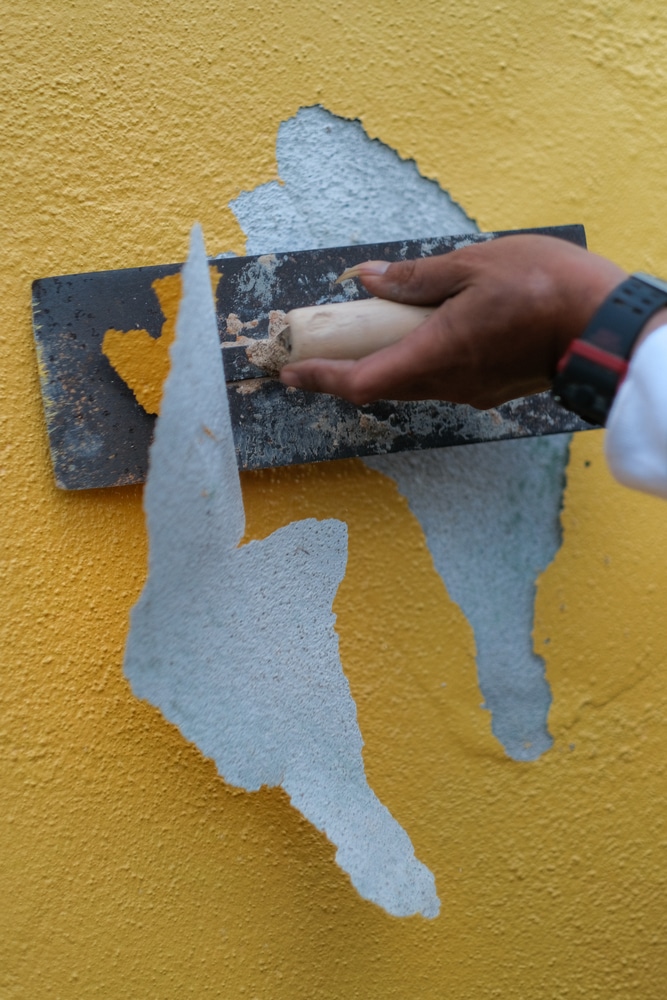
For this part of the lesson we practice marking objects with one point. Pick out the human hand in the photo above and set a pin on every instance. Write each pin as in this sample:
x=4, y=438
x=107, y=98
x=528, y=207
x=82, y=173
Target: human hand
x=508, y=309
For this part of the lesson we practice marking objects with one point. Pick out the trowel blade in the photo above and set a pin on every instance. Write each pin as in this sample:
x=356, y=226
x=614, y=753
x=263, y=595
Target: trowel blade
x=99, y=434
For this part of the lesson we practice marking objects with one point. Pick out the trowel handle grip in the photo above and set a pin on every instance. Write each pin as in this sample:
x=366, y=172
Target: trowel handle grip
x=348, y=329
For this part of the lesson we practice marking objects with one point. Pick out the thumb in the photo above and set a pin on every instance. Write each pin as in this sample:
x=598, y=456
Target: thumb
x=424, y=281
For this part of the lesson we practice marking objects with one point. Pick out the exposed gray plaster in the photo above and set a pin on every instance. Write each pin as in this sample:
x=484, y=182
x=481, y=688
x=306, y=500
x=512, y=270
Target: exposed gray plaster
x=499, y=527
x=490, y=513
x=340, y=187
x=236, y=646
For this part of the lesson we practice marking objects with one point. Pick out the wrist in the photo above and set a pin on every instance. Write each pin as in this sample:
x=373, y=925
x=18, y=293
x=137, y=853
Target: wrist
x=581, y=293
x=594, y=366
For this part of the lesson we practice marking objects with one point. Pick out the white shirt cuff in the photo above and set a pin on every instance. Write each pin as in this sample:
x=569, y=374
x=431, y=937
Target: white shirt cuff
x=636, y=438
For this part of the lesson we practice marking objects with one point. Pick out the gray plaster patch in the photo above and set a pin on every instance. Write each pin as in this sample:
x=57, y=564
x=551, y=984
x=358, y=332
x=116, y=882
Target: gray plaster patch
x=490, y=513
x=500, y=526
x=338, y=187
x=236, y=646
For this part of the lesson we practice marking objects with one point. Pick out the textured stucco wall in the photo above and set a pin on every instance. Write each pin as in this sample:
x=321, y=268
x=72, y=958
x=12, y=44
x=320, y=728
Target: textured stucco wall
x=128, y=867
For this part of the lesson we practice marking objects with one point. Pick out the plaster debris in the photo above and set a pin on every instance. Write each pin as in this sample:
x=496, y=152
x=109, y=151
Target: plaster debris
x=271, y=354
x=499, y=525
x=277, y=321
x=236, y=646
x=236, y=326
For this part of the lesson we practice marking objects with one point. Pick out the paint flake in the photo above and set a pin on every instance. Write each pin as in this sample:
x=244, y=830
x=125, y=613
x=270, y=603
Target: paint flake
x=236, y=645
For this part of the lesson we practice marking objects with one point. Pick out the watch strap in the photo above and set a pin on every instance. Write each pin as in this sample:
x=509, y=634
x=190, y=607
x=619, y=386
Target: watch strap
x=594, y=366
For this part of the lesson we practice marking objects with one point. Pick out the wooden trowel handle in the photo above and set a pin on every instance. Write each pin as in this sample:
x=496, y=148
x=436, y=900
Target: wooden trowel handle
x=348, y=329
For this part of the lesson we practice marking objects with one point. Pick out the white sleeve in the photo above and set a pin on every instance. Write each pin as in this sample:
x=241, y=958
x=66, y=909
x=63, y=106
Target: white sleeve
x=636, y=438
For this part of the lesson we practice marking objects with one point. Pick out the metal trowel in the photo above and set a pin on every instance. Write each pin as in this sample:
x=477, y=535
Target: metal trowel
x=99, y=431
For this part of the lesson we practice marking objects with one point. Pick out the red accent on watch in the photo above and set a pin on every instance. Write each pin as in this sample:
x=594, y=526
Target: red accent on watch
x=597, y=355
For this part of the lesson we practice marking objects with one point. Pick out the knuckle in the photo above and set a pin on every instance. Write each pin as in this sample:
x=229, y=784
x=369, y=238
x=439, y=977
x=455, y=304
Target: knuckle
x=471, y=257
x=406, y=274
x=357, y=392
x=410, y=271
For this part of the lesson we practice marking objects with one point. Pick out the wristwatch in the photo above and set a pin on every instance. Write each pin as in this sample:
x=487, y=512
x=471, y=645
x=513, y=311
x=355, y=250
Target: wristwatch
x=591, y=371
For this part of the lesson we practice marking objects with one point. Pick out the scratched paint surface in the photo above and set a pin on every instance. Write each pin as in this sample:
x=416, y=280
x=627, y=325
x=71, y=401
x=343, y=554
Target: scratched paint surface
x=236, y=646
x=129, y=867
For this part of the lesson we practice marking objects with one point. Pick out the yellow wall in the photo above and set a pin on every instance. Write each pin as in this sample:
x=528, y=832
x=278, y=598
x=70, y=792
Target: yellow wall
x=128, y=867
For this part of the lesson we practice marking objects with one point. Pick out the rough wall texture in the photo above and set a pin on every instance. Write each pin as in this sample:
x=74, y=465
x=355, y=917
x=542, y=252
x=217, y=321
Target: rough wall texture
x=129, y=868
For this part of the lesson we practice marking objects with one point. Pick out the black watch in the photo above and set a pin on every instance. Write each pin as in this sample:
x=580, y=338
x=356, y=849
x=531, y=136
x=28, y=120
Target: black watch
x=591, y=371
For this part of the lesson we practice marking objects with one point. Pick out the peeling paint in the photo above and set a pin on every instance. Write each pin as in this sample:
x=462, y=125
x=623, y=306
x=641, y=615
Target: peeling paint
x=490, y=513
x=338, y=187
x=498, y=527
x=236, y=645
